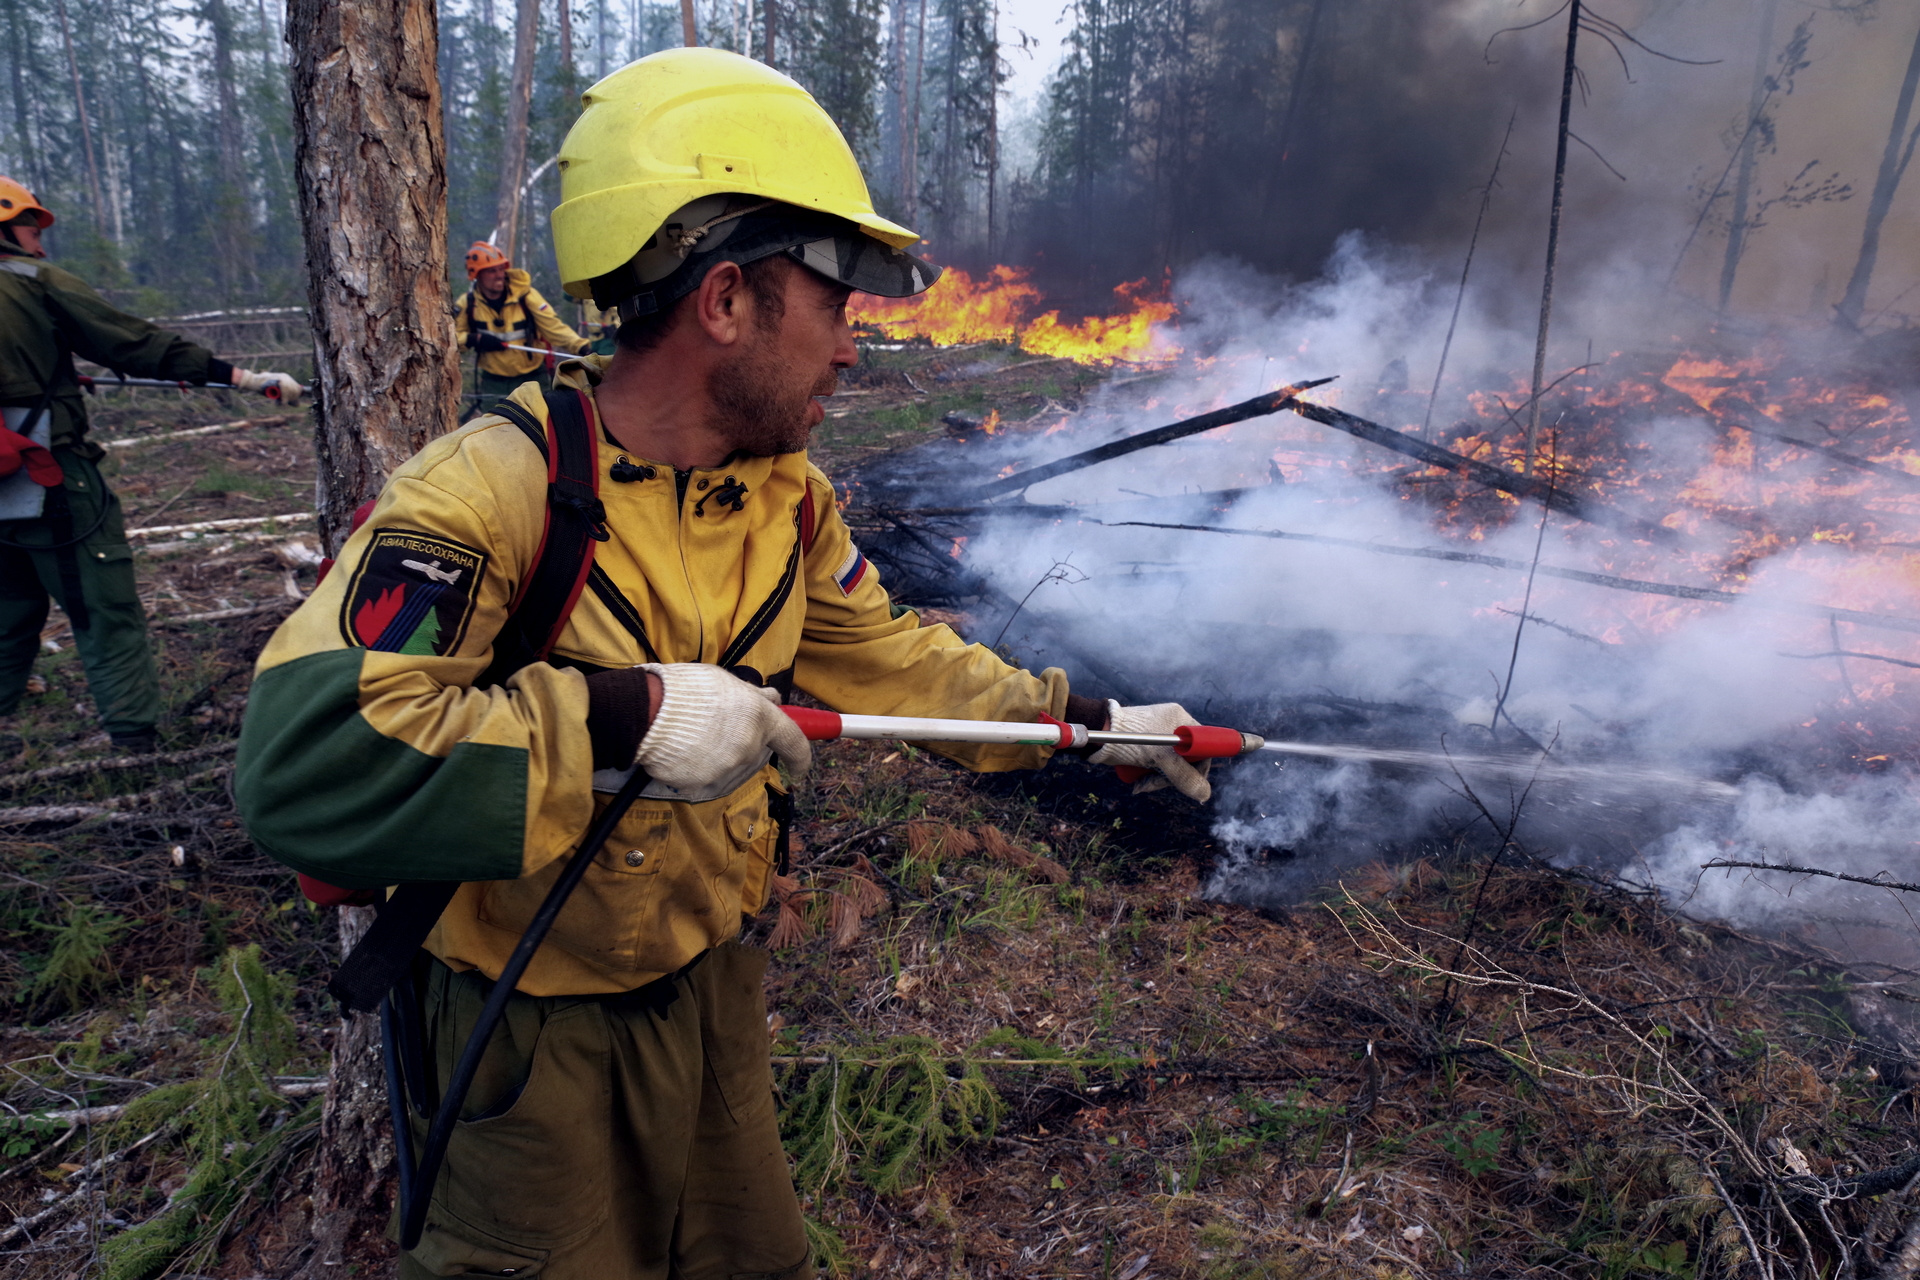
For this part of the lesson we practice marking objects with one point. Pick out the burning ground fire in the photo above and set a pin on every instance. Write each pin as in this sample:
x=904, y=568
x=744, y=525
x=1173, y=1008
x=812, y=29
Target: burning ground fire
x=1727, y=589
x=1005, y=306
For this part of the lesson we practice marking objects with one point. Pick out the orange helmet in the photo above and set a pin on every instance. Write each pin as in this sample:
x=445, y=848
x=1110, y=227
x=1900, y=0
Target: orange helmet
x=483, y=255
x=16, y=200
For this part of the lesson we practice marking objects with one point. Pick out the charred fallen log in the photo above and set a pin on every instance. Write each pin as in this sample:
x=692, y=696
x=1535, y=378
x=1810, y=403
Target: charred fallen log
x=1532, y=488
x=1258, y=407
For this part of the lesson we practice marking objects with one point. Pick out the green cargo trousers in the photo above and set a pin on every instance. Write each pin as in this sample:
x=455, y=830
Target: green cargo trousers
x=493, y=388
x=113, y=642
x=627, y=1137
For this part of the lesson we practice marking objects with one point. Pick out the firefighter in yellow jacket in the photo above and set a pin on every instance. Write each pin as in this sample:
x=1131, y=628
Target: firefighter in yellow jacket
x=622, y=1126
x=500, y=316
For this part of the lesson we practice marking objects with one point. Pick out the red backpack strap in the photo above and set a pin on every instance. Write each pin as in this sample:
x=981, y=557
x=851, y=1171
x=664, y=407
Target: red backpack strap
x=809, y=519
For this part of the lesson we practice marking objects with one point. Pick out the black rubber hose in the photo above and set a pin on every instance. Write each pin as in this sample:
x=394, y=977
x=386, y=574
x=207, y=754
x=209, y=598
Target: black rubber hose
x=413, y=1207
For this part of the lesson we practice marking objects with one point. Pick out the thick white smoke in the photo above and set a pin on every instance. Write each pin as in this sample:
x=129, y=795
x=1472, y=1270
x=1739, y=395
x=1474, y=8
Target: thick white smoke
x=1302, y=632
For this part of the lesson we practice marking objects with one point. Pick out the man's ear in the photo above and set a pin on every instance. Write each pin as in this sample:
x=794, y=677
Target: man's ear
x=722, y=302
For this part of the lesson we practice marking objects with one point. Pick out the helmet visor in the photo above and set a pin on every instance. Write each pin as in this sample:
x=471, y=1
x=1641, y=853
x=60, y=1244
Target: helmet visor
x=740, y=229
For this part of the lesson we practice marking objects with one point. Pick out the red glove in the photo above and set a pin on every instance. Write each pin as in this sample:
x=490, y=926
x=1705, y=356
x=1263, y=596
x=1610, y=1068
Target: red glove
x=17, y=451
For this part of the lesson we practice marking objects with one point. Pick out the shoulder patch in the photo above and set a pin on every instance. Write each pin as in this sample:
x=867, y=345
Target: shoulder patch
x=21, y=267
x=412, y=593
x=851, y=571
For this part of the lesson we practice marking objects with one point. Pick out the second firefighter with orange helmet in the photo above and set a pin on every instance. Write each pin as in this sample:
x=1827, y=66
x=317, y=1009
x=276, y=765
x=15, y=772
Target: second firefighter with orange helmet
x=502, y=311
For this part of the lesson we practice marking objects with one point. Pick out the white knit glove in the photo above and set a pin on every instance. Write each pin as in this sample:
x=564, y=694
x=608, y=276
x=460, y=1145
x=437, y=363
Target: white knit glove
x=1188, y=778
x=714, y=728
x=278, y=386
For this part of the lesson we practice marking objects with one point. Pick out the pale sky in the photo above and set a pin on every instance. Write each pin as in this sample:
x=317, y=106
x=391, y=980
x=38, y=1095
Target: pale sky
x=1045, y=24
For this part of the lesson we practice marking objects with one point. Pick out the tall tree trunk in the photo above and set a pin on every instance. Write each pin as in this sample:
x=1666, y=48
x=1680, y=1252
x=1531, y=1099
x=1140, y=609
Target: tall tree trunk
x=566, y=37
x=372, y=181
x=1553, y=235
x=689, y=34
x=1893, y=166
x=993, y=129
x=513, y=147
x=910, y=205
x=1271, y=182
x=1749, y=155
x=86, y=128
x=230, y=202
x=23, y=117
x=772, y=16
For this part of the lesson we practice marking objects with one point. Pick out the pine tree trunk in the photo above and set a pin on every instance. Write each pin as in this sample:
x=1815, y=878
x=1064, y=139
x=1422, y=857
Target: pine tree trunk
x=1737, y=224
x=513, y=149
x=371, y=159
x=371, y=174
x=1893, y=166
x=231, y=204
x=86, y=128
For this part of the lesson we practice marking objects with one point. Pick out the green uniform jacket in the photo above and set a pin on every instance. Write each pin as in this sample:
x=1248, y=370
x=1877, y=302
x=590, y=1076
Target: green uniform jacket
x=47, y=314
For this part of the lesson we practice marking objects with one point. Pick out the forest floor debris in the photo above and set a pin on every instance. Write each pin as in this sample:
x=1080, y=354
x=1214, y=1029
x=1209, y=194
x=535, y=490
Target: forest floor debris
x=1011, y=1039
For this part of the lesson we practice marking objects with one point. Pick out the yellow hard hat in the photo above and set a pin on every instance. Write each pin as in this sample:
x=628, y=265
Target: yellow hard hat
x=684, y=124
x=16, y=200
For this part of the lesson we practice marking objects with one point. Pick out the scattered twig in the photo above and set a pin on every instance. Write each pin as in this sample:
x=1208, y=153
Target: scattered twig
x=83, y=1175
x=1876, y=881
x=81, y=768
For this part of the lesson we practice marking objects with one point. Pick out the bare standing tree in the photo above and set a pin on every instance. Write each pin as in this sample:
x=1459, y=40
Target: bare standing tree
x=513, y=145
x=1893, y=167
x=371, y=163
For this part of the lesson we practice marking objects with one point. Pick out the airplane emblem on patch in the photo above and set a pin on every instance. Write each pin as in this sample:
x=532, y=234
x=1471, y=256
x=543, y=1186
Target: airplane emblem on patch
x=412, y=593
x=851, y=571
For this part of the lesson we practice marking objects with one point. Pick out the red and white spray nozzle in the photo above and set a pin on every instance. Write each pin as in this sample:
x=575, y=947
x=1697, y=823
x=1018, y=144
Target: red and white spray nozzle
x=1191, y=741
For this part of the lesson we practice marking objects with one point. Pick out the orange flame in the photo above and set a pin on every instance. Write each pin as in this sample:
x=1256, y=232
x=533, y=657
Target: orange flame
x=1000, y=308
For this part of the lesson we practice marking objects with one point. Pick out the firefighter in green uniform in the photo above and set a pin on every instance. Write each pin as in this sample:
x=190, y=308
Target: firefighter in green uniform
x=61, y=531
x=501, y=317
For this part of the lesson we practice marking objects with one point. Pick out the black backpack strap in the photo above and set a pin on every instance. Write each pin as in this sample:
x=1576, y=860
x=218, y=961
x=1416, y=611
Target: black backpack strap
x=575, y=521
x=385, y=952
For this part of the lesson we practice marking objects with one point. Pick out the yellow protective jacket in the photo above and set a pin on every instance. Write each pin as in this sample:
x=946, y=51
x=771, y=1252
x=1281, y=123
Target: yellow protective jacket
x=369, y=757
x=523, y=318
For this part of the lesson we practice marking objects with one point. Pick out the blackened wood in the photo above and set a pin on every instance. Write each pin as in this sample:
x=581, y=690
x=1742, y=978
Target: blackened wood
x=1258, y=407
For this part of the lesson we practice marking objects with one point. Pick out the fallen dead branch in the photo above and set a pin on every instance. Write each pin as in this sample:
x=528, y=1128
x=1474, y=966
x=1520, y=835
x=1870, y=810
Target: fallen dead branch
x=221, y=615
x=1551, y=496
x=161, y=437
x=113, y=1111
x=28, y=815
x=81, y=768
x=1877, y=881
x=1892, y=622
x=239, y=522
x=1258, y=407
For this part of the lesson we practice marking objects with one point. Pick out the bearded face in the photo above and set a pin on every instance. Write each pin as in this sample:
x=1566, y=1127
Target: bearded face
x=764, y=395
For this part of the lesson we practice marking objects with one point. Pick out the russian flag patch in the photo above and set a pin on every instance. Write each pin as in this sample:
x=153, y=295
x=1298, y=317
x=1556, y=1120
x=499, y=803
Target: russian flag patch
x=851, y=571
